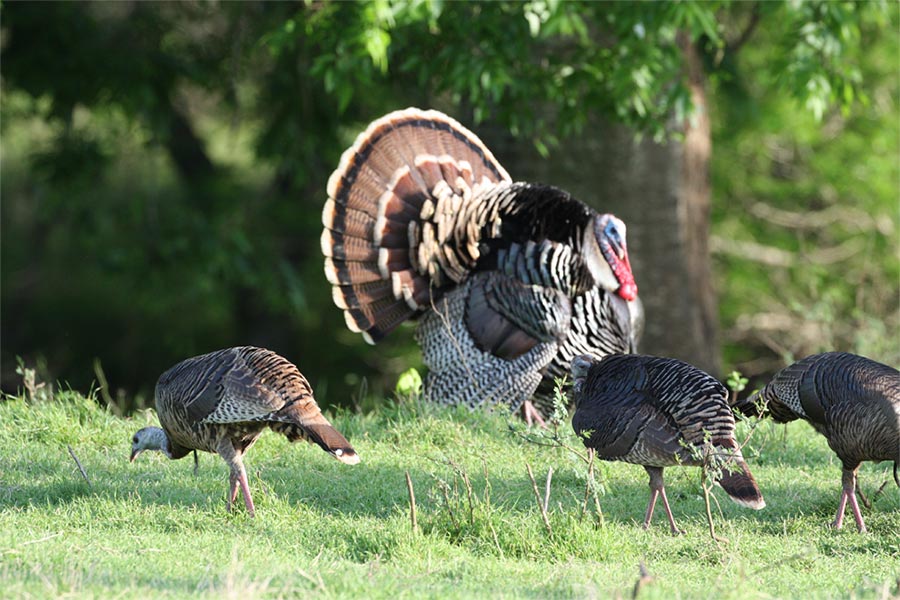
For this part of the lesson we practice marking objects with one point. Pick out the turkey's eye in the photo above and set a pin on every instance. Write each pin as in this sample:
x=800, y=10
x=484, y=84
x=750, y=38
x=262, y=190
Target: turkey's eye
x=134, y=440
x=612, y=232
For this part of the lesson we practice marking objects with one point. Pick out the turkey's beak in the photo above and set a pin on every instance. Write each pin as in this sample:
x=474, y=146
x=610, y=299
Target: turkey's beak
x=620, y=249
x=134, y=453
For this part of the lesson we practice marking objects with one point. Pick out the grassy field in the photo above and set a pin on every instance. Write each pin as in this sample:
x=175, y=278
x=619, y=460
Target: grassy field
x=153, y=529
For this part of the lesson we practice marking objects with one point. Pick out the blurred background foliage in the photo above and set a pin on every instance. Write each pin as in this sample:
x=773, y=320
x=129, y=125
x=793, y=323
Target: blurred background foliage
x=164, y=165
x=806, y=201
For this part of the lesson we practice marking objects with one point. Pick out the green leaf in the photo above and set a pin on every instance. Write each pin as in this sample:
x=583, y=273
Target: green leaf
x=409, y=383
x=377, y=42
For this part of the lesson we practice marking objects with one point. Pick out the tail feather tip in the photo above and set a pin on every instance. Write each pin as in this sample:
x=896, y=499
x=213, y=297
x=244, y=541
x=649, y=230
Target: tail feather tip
x=757, y=503
x=346, y=455
x=742, y=489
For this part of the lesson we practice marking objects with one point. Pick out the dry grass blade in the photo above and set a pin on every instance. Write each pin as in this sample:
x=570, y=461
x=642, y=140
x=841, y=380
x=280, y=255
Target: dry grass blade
x=462, y=474
x=867, y=502
x=104, y=388
x=412, y=503
x=80, y=468
x=591, y=489
x=644, y=579
x=537, y=497
x=445, y=490
x=43, y=539
x=547, y=490
x=709, y=519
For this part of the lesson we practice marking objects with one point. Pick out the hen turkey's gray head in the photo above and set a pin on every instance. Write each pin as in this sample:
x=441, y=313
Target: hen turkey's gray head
x=608, y=261
x=148, y=438
x=580, y=366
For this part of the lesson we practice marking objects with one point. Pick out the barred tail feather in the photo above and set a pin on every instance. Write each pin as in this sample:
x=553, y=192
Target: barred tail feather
x=331, y=441
x=321, y=433
x=739, y=484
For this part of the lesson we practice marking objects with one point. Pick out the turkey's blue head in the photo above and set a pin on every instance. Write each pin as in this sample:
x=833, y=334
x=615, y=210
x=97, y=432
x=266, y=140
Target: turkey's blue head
x=613, y=272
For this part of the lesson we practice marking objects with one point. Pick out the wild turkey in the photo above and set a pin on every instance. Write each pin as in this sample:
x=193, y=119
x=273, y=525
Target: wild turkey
x=660, y=412
x=222, y=401
x=418, y=205
x=851, y=400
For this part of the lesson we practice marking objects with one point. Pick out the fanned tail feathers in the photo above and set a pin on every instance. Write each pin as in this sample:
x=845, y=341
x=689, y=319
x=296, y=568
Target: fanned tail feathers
x=402, y=169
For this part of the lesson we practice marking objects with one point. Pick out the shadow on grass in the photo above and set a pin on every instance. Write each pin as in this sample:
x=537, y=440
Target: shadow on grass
x=792, y=506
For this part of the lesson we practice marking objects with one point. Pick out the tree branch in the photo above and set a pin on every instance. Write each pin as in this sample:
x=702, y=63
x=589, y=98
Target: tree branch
x=734, y=46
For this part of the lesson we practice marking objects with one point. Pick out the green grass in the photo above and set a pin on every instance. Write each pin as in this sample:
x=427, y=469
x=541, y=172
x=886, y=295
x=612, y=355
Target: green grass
x=152, y=529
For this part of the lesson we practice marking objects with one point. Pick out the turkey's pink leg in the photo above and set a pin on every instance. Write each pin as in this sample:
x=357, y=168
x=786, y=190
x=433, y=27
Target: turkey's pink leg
x=652, y=505
x=839, y=519
x=532, y=415
x=848, y=482
x=657, y=489
x=245, y=489
x=856, y=513
x=672, y=524
x=238, y=475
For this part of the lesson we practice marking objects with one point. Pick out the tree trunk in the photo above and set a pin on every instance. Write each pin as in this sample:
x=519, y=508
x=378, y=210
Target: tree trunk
x=186, y=149
x=662, y=193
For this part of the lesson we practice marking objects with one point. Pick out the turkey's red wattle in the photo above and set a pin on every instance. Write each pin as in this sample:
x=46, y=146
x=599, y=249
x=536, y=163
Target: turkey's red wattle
x=627, y=287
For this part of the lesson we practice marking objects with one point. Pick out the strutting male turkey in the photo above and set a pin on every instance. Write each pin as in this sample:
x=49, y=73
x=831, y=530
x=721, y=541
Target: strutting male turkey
x=660, y=412
x=851, y=400
x=509, y=280
x=222, y=401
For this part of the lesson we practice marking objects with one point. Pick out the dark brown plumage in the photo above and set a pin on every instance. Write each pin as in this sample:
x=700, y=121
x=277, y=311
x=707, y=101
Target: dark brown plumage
x=222, y=401
x=660, y=412
x=418, y=206
x=851, y=400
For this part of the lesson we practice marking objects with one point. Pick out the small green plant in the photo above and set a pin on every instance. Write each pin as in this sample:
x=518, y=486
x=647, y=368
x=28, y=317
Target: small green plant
x=737, y=383
x=552, y=436
x=409, y=384
x=711, y=464
x=560, y=412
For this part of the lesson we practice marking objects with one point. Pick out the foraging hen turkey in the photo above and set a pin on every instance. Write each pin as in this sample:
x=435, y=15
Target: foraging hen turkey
x=851, y=400
x=222, y=401
x=418, y=205
x=660, y=412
